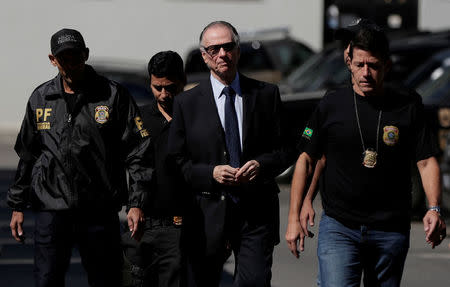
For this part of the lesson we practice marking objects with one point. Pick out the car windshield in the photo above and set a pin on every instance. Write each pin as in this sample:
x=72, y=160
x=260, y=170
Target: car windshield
x=288, y=55
x=321, y=71
x=435, y=89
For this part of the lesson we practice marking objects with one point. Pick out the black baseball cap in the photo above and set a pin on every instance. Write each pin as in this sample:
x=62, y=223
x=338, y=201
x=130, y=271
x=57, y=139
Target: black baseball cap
x=346, y=34
x=66, y=39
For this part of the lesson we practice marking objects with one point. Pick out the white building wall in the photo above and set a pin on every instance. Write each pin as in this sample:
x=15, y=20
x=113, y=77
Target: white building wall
x=136, y=29
x=126, y=29
x=434, y=14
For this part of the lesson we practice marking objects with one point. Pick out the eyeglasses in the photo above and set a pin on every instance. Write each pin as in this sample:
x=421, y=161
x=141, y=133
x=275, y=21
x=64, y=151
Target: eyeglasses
x=214, y=49
x=172, y=88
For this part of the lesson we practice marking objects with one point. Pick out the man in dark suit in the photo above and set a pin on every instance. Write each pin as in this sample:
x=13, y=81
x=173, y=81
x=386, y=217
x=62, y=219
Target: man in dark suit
x=226, y=138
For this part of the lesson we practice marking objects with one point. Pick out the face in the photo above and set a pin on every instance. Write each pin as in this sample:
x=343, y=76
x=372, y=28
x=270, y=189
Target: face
x=220, y=53
x=368, y=72
x=71, y=64
x=164, y=90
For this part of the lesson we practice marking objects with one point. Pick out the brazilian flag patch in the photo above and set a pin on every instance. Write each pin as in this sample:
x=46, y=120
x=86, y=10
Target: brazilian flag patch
x=307, y=133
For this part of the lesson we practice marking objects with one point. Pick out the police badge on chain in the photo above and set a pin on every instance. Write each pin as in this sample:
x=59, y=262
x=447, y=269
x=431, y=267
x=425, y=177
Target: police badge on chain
x=101, y=114
x=369, y=158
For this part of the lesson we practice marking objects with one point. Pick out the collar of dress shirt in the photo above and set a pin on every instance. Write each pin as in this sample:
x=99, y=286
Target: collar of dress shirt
x=217, y=86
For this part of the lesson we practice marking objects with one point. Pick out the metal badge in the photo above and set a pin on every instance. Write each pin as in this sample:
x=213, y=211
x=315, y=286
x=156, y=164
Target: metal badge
x=370, y=158
x=177, y=220
x=101, y=114
x=390, y=135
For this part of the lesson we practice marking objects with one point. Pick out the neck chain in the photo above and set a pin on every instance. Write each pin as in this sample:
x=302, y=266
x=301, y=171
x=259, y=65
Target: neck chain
x=369, y=155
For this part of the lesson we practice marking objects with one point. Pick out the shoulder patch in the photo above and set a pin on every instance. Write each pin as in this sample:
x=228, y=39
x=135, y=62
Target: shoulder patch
x=307, y=133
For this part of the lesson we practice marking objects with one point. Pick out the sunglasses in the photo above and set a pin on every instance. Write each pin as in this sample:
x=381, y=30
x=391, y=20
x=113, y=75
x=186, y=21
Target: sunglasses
x=214, y=49
x=172, y=88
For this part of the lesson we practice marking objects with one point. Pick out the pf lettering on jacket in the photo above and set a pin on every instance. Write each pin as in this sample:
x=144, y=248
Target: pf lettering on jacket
x=140, y=126
x=43, y=113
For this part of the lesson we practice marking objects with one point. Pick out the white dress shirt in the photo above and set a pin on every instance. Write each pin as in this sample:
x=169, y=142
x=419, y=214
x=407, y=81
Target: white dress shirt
x=217, y=88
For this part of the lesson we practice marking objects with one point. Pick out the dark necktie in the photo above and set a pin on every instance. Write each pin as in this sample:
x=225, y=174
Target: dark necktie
x=232, y=139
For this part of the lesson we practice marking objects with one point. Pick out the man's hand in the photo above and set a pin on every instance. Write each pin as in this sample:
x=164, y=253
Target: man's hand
x=294, y=234
x=16, y=225
x=307, y=215
x=225, y=174
x=248, y=172
x=434, y=227
x=134, y=217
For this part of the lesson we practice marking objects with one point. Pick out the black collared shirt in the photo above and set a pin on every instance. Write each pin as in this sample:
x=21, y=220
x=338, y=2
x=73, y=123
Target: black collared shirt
x=167, y=196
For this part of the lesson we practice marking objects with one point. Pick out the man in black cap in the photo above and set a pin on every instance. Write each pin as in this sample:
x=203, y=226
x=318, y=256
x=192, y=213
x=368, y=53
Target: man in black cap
x=370, y=135
x=156, y=259
x=80, y=134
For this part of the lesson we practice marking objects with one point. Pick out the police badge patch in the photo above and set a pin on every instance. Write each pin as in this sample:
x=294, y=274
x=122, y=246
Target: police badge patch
x=101, y=114
x=390, y=135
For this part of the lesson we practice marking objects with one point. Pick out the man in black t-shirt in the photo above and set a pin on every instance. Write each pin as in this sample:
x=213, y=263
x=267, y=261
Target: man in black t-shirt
x=155, y=259
x=369, y=135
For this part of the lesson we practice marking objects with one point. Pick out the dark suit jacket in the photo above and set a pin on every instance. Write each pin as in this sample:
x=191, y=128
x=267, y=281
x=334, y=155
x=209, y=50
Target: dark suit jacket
x=197, y=142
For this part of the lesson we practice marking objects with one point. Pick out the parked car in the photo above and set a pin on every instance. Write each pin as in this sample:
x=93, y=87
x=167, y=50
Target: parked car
x=327, y=69
x=266, y=55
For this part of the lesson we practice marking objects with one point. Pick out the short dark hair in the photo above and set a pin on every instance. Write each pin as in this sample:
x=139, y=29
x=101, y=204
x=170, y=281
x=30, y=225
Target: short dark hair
x=234, y=33
x=372, y=40
x=167, y=64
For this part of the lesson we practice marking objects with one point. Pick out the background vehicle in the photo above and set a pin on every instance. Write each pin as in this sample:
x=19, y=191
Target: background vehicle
x=133, y=76
x=265, y=55
x=327, y=69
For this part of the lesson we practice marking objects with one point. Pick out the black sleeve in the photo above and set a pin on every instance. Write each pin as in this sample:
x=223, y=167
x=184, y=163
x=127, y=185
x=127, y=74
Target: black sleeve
x=283, y=152
x=198, y=175
x=425, y=140
x=311, y=137
x=136, y=148
x=27, y=148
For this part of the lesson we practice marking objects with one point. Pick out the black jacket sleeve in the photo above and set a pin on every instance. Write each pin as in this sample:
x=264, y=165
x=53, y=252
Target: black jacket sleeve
x=27, y=148
x=135, y=148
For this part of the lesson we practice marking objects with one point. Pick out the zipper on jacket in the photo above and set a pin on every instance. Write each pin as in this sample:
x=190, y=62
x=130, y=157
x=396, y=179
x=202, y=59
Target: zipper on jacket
x=69, y=160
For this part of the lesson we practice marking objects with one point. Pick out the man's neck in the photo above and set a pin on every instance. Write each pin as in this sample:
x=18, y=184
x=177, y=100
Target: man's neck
x=167, y=114
x=226, y=80
x=68, y=88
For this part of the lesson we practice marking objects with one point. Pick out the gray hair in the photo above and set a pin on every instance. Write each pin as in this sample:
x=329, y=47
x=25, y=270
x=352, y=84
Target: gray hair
x=234, y=33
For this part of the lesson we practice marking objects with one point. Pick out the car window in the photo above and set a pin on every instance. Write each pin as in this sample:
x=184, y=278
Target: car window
x=254, y=57
x=288, y=54
x=435, y=90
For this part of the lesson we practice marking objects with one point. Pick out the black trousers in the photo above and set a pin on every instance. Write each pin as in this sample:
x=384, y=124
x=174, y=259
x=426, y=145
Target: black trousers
x=97, y=236
x=158, y=254
x=210, y=244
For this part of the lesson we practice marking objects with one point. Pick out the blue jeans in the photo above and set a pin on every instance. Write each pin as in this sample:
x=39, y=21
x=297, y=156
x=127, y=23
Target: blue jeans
x=345, y=252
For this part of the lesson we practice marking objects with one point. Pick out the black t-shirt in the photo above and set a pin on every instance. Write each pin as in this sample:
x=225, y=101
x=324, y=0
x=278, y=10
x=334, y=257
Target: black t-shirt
x=351, y=193
x=167, y=195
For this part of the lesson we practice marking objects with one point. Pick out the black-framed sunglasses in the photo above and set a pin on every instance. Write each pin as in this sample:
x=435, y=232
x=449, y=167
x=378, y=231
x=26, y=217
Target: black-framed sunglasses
x=172, y=88
x=214, y=49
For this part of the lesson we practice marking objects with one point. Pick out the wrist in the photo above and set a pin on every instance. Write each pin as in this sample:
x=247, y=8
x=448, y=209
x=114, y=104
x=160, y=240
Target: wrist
x=435, y=208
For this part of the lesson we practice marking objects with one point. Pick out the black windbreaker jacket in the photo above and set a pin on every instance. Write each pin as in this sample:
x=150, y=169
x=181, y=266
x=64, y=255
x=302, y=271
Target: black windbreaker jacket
x=79, y=159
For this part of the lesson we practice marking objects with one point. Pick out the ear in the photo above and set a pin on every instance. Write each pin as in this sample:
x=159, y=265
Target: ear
x=205, y=56
x=348, y=62
x=387, y=66
x=86, y=56
x=53, y=60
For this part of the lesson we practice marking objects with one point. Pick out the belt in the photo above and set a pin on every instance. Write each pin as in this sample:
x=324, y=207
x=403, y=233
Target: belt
x=155, y=221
